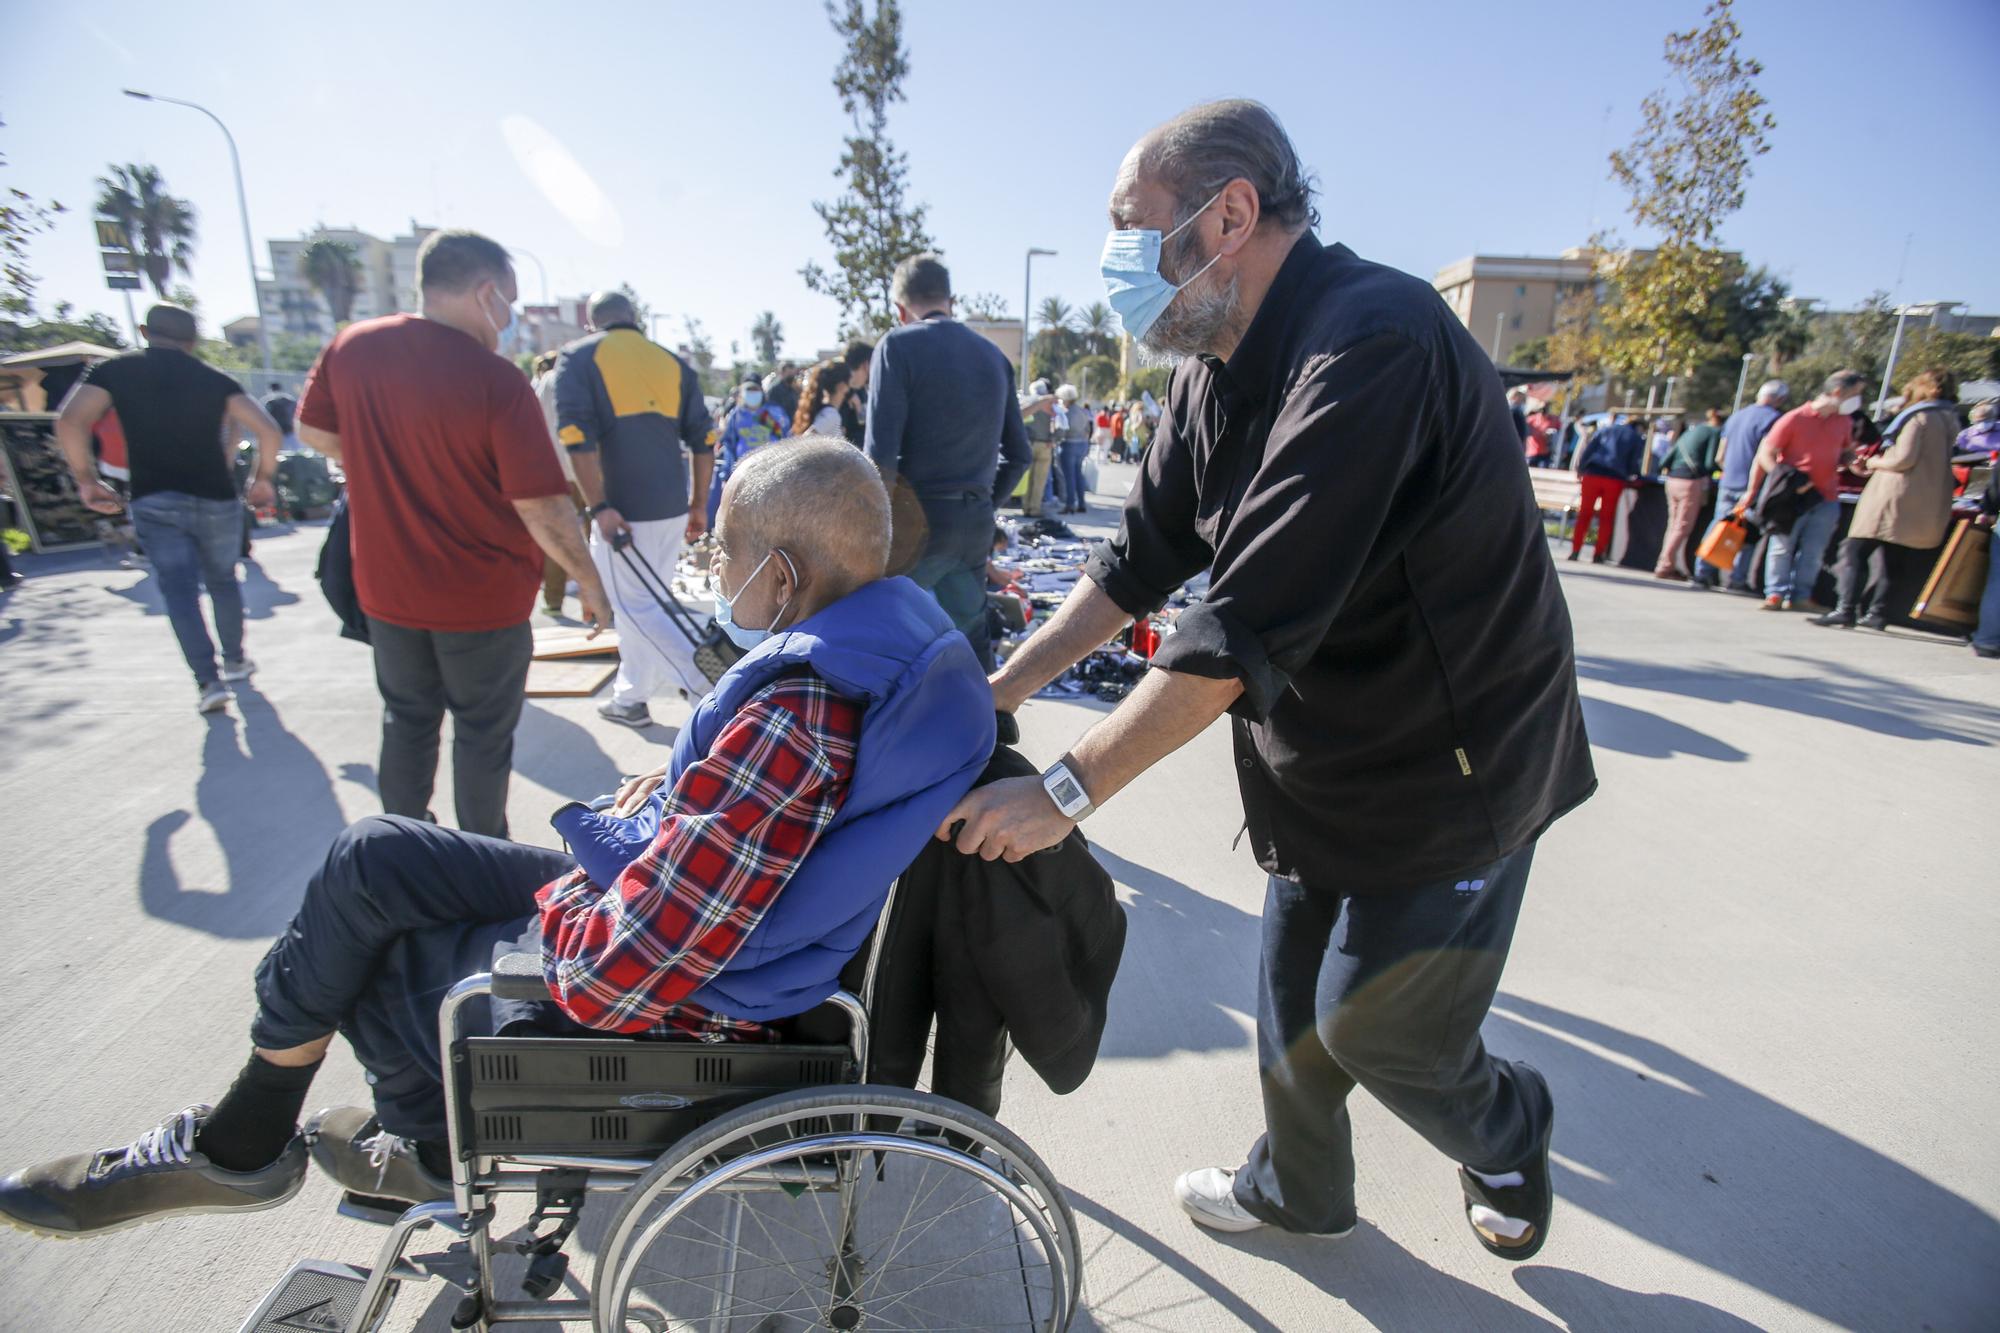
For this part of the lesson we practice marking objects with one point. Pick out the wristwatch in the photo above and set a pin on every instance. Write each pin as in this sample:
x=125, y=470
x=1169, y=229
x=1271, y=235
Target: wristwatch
x=1066, y=791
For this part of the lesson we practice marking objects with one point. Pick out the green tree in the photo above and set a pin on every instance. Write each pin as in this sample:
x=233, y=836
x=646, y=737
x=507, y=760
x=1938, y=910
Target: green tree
x=871, y=226
x=1094, y=376
x=334, y=271
x=21, y=217
x=983, y=305
x=63, y=327
x=1054, y=313
x=1099, y=332
x=160, y=226
x=1684, y=172
x=292, y=351
x=767, y=335
x=1148, y=379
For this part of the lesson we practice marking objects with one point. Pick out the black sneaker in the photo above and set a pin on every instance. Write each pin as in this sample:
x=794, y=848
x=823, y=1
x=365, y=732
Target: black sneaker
x=1879, y=624
x=1532, y=1201
x=1834, y=620
x=159, y=1174
x=350, y=1145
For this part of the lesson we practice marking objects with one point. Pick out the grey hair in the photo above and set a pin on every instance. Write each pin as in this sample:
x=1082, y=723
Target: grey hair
x=611, y=308
x=1986, y=410
x=1841, y=382
x=1205, y=147
x=818, y=498
x=1776, y=391
x=456, y=261
x=921, y=280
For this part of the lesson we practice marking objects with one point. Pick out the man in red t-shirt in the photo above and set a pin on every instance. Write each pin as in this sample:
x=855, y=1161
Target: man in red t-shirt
x=453, y=494
x=1813, y=439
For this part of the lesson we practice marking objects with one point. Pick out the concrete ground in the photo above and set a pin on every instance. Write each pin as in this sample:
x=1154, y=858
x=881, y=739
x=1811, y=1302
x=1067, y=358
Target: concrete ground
x=1756, y=968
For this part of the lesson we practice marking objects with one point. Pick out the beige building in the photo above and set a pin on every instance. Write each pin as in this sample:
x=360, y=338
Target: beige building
x=1506, y=300
x=388, y=280
x=1004, y=334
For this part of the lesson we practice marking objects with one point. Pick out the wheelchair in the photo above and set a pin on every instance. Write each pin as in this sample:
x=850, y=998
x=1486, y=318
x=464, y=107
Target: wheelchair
x=761, y=1187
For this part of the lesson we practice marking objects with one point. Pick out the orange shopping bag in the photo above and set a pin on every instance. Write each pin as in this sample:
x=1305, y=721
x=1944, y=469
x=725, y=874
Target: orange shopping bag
x=1724, y=543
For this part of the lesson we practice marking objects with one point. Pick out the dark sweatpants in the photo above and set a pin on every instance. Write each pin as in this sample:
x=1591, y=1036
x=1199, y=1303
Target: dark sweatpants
x=401, y=911
x=481, y=678
x=1387, y=992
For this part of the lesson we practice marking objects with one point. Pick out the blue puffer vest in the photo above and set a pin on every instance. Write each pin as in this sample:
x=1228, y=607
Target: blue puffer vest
x=926, y=732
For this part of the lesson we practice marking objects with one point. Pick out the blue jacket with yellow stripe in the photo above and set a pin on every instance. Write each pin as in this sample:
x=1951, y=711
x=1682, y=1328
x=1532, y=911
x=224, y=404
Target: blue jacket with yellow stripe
x=637, y=406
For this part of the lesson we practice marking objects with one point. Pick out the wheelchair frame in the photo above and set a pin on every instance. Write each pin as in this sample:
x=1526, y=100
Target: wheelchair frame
x=562, y=1181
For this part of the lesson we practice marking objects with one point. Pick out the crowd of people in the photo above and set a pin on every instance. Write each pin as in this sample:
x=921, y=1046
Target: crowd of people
x=1779, y=474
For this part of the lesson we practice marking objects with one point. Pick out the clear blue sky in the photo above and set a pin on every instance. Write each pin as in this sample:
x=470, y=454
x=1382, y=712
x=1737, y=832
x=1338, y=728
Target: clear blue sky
x=1437, y=130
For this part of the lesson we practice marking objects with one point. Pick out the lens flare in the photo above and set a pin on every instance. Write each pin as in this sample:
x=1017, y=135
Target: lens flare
x=562, y=181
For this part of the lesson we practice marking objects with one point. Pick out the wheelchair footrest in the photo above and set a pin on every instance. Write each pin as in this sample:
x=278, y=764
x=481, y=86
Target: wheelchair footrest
x=316, y=1296
x=370, y=1208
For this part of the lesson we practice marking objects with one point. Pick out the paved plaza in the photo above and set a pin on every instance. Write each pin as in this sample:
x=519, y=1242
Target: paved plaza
x=1758, y=968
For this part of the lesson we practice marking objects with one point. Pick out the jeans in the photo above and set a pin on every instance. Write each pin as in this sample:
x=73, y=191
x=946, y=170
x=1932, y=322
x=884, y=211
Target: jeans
x=1386, y=992
x=952, y=568
x=194, y=542
x=481, y=678
x=1071, y=458
x=398, y=913
x=1988, y=633
x=1739, y=573
x=654, y=655
x=1792, y=560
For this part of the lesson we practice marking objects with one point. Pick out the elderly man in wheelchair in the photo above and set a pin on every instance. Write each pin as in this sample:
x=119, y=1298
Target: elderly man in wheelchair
x=500, y=997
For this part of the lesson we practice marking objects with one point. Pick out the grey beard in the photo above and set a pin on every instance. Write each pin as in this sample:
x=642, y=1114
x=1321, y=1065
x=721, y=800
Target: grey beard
x=1189, y=326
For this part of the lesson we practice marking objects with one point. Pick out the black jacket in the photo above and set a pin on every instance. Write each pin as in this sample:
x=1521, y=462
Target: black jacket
x=994, y=950
x=1787, y=493
x=335, y=573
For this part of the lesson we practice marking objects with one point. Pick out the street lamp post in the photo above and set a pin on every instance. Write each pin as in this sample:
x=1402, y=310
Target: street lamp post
x=1896, y=346
x=242, y=208
x=539, y=269
x=1741, y=377
x=1027, y=297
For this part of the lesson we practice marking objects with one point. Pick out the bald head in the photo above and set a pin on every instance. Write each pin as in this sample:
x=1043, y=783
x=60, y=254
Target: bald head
x=821, y=502
x=171, y=326
x=608, y=308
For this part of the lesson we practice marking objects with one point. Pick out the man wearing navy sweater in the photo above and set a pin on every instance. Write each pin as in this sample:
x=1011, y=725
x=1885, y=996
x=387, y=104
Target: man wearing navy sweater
x=945, y=429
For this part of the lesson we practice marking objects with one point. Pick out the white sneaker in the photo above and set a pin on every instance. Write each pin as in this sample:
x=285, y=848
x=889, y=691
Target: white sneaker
x=1208, y=1195
x=630, y=715
x=214, y=697
x=238, y=670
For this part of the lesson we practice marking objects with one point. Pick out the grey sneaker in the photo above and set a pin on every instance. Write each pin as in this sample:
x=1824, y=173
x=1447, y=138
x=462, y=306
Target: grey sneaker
x=214, y=697
x=351, y=1146
x=238, y=670
x=625, y=715
x=159, y=1174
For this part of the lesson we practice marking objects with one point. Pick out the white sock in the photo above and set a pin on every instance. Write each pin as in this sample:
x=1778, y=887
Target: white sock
x=1505, y=1180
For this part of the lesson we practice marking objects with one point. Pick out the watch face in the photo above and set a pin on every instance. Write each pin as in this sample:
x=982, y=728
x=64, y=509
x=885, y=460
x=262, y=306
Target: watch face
x=1066, y=792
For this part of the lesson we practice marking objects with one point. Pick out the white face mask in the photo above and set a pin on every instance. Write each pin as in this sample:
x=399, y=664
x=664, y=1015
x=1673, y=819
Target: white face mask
x=1849, y=406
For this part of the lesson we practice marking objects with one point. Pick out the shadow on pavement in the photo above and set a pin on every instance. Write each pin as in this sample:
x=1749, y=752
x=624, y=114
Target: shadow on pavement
x=272, y=810
x=1688, y=1159
x=261, y=595
x=1585, y=1302
x=1832, y=691
x=1101, y=1305
x=1649, y=736
x=563, y=756
x=1165, y=920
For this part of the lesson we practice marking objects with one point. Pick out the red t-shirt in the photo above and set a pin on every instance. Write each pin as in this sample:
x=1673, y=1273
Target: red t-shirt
x=438, y=437
x=1813, y=444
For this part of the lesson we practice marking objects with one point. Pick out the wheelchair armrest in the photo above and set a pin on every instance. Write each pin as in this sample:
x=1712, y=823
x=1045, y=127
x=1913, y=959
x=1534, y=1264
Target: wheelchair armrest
x=517, y=972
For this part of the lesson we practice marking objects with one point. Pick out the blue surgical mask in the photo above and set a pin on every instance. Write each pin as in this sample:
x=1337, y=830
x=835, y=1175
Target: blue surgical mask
x=753, y=399
x=505, y=333
x=1131, y=269
x=725, y=608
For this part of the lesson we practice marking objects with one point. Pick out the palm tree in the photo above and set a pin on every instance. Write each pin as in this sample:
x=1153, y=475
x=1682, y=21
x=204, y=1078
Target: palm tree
x=159, y=226
x=1095, y=321
x=335, y=272
x=769, y=337
x=1053, y=313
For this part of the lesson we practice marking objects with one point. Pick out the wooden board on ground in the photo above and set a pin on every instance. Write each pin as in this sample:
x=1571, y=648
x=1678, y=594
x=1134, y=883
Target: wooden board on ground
x=554, y=643
x=1958, y=580
x=568, y=680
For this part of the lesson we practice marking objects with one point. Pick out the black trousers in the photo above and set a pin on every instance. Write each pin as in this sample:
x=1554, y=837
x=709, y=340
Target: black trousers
x=1385, y=992
x=481, y=679
x=1868, y=569
x=398, y=913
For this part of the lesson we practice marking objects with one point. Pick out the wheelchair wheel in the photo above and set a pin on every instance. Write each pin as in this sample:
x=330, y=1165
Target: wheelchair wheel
x=842, y=1208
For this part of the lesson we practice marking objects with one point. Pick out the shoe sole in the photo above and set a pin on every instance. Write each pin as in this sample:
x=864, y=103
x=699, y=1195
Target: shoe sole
x=636, y=723
x=200, y=1210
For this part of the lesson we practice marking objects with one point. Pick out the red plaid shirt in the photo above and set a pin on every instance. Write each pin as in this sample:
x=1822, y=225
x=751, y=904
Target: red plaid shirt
x=736, y=825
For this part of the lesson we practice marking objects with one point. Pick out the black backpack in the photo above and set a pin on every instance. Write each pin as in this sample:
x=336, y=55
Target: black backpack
x=335, y=572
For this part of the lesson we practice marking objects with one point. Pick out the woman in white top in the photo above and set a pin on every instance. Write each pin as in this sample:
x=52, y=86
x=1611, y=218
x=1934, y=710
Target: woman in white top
x=819, y=408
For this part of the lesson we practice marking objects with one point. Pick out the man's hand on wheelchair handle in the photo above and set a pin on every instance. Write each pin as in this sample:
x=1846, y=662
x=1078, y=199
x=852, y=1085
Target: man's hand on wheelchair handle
x=1013, y=819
